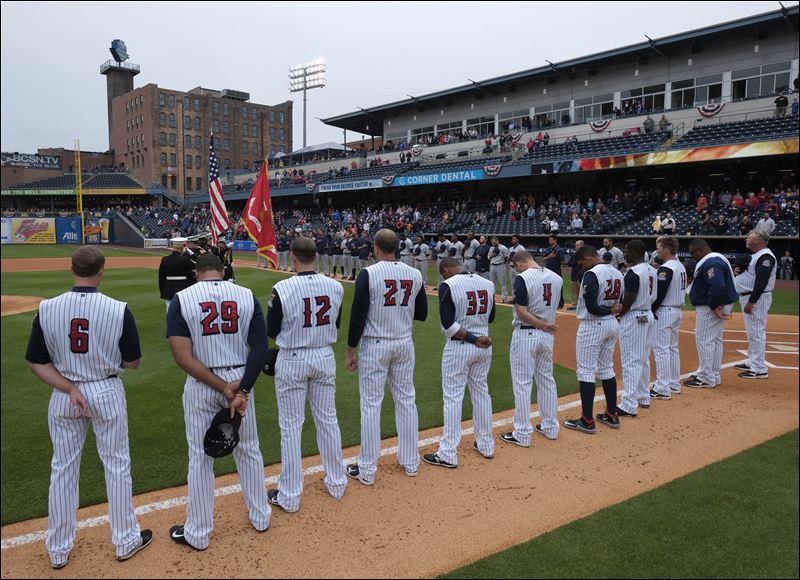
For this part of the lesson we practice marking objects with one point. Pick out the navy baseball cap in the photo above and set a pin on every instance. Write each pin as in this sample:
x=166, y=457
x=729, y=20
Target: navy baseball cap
x=222, y=436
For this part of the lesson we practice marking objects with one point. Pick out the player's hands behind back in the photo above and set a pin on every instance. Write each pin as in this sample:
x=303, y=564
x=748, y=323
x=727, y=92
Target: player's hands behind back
x=79, y=403
x=483, y=342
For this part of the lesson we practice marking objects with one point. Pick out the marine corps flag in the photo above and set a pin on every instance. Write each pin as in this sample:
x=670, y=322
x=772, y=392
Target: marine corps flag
x=257, y=218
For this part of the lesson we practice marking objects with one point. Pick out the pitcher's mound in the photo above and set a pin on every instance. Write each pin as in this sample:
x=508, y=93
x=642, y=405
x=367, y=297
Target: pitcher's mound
x=19, y=304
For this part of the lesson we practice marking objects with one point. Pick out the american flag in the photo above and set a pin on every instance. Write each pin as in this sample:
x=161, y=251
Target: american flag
x=219, y=214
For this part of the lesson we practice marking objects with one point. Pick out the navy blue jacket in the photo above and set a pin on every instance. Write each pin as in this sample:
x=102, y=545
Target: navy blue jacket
x=713, y=285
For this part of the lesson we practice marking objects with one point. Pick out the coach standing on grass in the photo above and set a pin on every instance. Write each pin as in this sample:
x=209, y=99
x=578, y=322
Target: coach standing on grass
x=755, y=286
x=79, y=344
x=712, y=293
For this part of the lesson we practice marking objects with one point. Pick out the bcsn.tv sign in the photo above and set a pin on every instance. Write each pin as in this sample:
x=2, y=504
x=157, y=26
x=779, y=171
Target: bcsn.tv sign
x=31, y=161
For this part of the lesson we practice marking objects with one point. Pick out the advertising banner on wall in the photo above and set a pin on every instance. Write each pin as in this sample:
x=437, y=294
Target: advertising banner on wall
x=97, y=230
x=68, y=230
x=156, y=243
x=31, y=161
x=33, y=230
x=5, y=229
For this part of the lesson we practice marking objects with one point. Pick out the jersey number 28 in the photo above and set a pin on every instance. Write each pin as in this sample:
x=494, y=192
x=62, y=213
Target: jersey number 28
x=613, y=290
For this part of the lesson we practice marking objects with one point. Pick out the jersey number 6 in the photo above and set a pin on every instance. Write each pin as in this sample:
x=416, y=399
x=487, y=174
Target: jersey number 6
x=79, y=335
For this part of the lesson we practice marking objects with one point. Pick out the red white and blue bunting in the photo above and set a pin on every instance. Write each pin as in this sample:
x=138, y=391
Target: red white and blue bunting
x=515, y=138
x=387, y=179
x=710, y=110
x=600, y=126
x=310, y=187
x=492, y=170
x=416, y=150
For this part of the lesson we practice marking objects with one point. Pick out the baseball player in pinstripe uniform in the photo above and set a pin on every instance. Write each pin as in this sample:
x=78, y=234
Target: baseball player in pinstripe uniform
x=512, y=271
x=79, y=343
x=388, y=296
x=469, y=252
x=406, y=247
x=498, y=255
x=713, y=294
x=456, y=249
x=421, y=253
x=755, y=286
x=636, y=327
x=210, y=326
x=303, y=317
x=466, y=308
x=536, y=292
x=442, y=251
x=667, y=309
x=598, y=305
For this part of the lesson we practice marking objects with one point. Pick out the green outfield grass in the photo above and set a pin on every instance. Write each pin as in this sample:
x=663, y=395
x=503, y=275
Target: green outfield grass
x=62, y=251
x=734, y=519
x=157, y=437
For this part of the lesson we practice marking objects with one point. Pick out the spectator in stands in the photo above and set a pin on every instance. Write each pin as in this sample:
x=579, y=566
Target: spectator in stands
x=597, y=219
x=554, y=227
x=766, y=224
x=616, y=113
x=545, y=224
x=745, y=226
x=707, y=226
x=752, y=202
x=648, y=125
x=722, y=226
x=702, y=203
x=546, y=139
x=663, y=124
x=668, y=225
x=780, y=105
x=693, y=228
x=795, y=108
x=531, y=145
x=577, y=223
x=656, y=225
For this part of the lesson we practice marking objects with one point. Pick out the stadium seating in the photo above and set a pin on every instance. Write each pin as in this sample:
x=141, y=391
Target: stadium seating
x=111, y=181
x=601, y=147
x=739, y=132
x=65, y=181
x=458, y=165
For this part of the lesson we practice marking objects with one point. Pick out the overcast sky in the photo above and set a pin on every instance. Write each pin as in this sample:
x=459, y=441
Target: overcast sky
x=376, y=52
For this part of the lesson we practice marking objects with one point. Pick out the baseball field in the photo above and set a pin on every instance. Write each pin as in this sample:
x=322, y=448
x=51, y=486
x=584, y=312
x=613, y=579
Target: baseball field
x=704, y=485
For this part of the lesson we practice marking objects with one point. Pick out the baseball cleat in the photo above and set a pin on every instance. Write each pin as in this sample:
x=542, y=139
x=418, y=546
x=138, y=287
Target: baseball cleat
x=411, y=472
x=623, y=413
x=272, y=497
x=434, y=459
x=656, y=395
x=753, y=375
x=541, y=432
x=608, y=419
x=742, y=367
x=581, y=424
x=61, y=565
x=177, y=535
x=645, y=405
x=146, y=538
x=509, y=438
x=675, y=391
x=354, y=472
x=475, y=447
x=698, y=384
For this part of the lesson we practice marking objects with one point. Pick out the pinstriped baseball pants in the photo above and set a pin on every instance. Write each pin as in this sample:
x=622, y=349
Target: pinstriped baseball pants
x=108, y=415
x=667, y=353
x=635, y=339
x=755, y=325
x=532, y=357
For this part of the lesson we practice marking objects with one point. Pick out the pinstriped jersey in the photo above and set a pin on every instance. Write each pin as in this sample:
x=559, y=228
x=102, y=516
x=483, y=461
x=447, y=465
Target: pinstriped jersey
x=405, y=247
x=456, y=250
x=677, y=287
x=746, y=281
x=543, y=287
x=611, y=287
x=393, y=288
x=311, y=306
x=647, y=284
x=82, y=331
x=218, y=316
x=421, y=252
x=513, y=250
x=469, y=248
x=473, y=298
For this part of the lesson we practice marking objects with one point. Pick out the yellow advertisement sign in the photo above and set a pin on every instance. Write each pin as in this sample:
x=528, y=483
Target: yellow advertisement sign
x=33, y=230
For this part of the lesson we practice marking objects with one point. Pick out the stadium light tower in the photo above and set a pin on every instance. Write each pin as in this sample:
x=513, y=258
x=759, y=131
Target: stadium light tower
x=303, y=77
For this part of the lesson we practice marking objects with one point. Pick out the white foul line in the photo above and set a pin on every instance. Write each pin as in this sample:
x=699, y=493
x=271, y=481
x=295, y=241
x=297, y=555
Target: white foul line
x=40, y=536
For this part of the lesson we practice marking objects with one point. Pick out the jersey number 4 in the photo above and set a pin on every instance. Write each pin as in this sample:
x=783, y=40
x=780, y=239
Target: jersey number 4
x=79, y=335
x=323, y=306
x=477, y=302
x=228, y=311
x=613, y=289
x=391, y=290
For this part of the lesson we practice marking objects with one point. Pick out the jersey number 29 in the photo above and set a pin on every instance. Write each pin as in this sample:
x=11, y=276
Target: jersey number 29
x=228, y=311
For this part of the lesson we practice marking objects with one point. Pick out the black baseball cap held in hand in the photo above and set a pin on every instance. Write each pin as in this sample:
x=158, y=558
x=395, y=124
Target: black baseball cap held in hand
x=223, y=435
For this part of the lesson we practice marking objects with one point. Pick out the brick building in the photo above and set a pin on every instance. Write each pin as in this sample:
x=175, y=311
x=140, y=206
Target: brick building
x=162, y=136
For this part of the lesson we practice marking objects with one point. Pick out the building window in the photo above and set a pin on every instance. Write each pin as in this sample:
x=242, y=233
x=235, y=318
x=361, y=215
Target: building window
x=644, y=100
x=171, y=100
x=215, y=107
x=173, y=182
x=594, y=108
x=197, y=162
x=254, y=130
x=173, y=141
x=697, y=92
x=196, y=105
x=172, y=119
x=187, y=161
x=162, y=119
x=244, y=112
x=164, y=179
x=199, y=182
x=283, y=118
x=227, y=145
x=764, y=80
x=225, y=109
x=272, y=116
x=163, y=160
x=246, y=164
x=245, y=130
x=255, y=149
x=197, y=126
x=245, y=148
x=162, y=139
x=227, y=126
x=188, y=184
x=273, y=151
x=272, y=132
x=198, y=142
x=187, y=141
x=186, y=103
x=215, y=125
x=141, y=120
x=187, y=122
x=127, y=107
x=227, y=164
x=283, y=134
x=173, y=159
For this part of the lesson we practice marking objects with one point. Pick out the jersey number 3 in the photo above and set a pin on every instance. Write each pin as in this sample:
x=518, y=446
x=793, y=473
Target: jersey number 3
x=79, y=335
x=229, y=314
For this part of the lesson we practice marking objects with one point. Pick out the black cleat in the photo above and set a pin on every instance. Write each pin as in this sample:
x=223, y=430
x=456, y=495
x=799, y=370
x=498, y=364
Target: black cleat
x=177, y=535
x=752, y=375
x=146, y=538
x=434, y=459
x=475, y=447
x=354, y=472
x=608, y=419
x=623, y=413
x=580, y=424
x=509, y=438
